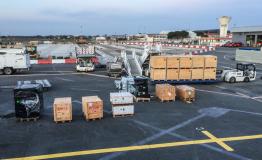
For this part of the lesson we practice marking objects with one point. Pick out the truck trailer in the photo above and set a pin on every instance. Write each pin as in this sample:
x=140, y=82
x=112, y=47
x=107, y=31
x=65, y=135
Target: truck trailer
x=13, y=60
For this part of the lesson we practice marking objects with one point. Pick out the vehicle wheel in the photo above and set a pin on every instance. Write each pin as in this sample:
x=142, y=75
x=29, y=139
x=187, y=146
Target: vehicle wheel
x=246, y=79
x=8, y=71
x=232, y=80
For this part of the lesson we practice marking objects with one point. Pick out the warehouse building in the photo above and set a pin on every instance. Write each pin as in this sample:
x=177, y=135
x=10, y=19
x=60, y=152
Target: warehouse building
x=249, y=36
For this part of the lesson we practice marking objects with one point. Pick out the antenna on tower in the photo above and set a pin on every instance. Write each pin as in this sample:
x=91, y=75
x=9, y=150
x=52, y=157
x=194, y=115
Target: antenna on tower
x=224, y=23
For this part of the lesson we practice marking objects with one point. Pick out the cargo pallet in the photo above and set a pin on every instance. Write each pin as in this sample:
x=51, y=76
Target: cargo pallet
x=123, y=115
x=141, y=99
x=66, y=121
x=188, y=100
x=185, y=81
x=27, y=119
x=93, y=119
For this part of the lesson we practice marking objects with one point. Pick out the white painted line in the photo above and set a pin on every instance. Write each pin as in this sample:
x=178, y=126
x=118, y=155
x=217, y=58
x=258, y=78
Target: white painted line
x=253, y=113
x=64, y=79
x=223, y=93
x=82, y=89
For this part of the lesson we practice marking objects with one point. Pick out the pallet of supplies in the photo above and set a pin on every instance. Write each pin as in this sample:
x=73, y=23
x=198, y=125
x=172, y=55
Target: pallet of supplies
x=166, y=92
x=122, y=104
x=62, y=109
x=186, y=93
x=210, y=61
x=92, y=107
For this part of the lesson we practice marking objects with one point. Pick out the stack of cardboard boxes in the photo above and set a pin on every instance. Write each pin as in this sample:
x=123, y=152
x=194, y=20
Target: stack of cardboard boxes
x=181, y=67
x=122, y=104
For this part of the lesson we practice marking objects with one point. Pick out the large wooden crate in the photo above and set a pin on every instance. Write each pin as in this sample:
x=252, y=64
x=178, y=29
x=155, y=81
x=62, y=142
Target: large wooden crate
x=185, y=93
x=172, y=62
x=210, y=61
x=185, y=74
x=62, y=109
x=172, y=74
x=92, y=107
x=198, y=61
x=197, y=73
x=158, y=61
x=158, y=74
x=185, y=61
x=166, y=92
x=210, y=73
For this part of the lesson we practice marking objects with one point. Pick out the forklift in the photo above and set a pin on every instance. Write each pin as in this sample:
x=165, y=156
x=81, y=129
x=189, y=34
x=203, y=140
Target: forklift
x=243, y=73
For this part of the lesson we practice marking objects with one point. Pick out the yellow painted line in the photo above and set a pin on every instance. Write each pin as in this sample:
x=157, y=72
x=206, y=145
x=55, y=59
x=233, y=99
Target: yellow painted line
x=218, y=141
x=133, y=148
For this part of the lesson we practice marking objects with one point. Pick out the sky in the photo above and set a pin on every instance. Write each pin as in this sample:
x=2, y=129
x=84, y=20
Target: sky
x=99, y=17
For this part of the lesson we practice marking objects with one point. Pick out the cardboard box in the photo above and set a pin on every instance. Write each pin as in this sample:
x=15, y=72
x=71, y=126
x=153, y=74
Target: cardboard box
x=185, y=93
x=172, y=62
x=158, y=74
x=123, y=110
x=172, y=74
x=198, y=61
x=158, y=61
x=166, y=92
x=185, y=61
x=197, y=74
x=184, y=74
x=62, y=109
x=210, y=61
x=210, y=73
x=92, y=107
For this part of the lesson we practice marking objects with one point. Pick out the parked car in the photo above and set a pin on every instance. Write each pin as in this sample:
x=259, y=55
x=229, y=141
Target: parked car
x=259, y=44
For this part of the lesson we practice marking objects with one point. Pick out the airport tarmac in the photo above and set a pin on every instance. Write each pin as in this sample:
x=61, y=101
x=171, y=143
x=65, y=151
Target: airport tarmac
x=223, y=123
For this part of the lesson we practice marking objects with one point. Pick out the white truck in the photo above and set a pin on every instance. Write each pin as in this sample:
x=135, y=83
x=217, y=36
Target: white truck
x=13, y=60
x=85, y=63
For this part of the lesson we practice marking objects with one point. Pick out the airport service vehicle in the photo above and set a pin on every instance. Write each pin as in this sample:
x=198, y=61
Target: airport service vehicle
x=12, y=60
x=242, y=73
x=85, y=63
x=115, y=69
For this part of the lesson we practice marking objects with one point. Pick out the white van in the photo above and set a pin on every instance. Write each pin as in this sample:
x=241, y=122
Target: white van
x=12, y=60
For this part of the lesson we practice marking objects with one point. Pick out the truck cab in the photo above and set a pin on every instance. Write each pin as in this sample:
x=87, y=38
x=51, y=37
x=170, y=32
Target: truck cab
x=12, y=60
x=85, y=63
x=242, y=73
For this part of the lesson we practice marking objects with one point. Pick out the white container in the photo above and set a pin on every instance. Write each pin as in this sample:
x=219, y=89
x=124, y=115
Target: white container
x=121, y=98
x=123, y=110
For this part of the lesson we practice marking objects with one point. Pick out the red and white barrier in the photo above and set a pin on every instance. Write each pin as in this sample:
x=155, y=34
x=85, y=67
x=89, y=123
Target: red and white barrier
x=53, y=61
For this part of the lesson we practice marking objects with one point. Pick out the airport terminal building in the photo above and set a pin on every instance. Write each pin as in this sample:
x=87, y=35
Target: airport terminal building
x=249, y=36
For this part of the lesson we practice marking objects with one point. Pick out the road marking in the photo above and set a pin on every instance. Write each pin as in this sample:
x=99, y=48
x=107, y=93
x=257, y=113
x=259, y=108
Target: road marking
x=218, y=141
x=223, y=93
x=64, y=79
x=141, y=147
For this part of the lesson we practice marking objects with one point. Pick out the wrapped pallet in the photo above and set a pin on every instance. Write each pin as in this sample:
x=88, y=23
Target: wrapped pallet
x=62, y=109
x=185, y=93
x=166, y=92
x=122, y=104
x=92, y=107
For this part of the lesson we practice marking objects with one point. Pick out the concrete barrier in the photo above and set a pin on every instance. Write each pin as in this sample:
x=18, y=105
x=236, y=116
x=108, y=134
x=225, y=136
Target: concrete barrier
x=252, y=56
x=53, y=61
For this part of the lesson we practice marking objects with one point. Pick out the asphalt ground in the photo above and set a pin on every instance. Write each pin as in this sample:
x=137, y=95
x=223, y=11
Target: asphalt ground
x=224, y=110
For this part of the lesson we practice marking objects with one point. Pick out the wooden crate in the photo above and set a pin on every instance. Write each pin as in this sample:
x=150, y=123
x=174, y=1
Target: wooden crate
x=166, y=92
x=185, y=93
x=210, y=73
x=172, y=62
x=62, y=109
x=197, y=73
x=198, y=61
x=172, y=74
x=158, y=74
x=185, y=74
x=158, y=61
x=120, y=98
x=185, y=61
x=210, y=61
x=92, y=107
